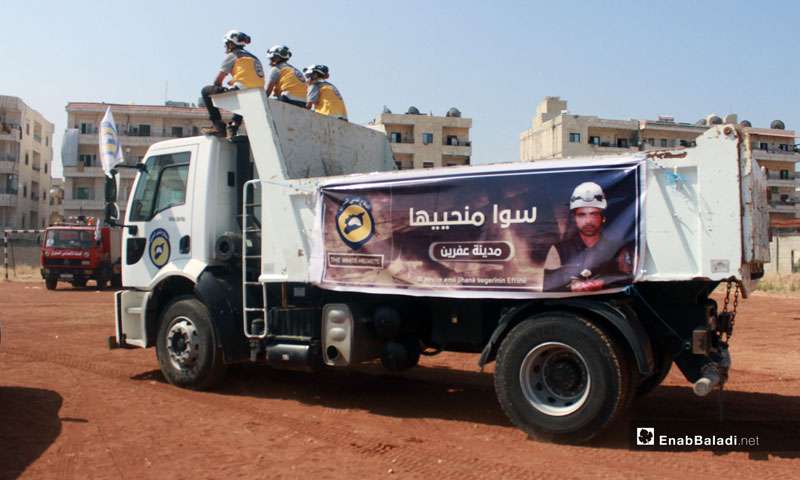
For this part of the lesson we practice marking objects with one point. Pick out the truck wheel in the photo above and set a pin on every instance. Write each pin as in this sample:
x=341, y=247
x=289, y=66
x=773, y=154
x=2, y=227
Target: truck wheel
x=561, y=378
x=186, y=346
x=51, y=282
x=116, y=281
x=102, y=278
x=663, y=364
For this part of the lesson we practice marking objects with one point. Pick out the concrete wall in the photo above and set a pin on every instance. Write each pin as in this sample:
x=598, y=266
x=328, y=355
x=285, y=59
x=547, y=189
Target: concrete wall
x=782, y=252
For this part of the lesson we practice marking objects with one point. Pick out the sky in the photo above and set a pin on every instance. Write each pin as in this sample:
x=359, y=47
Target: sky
x=494, y=61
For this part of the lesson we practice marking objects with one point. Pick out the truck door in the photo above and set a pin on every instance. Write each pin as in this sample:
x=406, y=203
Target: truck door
x=160, y=209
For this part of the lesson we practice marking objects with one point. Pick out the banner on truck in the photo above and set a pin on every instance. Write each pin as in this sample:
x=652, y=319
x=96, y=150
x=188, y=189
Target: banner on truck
x=527, y=230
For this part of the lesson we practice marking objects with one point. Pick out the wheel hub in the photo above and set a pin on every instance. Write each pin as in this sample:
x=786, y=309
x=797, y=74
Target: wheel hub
x=554, y=379
x=183, y=344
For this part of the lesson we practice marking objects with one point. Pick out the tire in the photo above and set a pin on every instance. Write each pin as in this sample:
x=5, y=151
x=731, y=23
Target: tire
x=102, y=278
x=79, y=283
x=116, y=281
x=561, y=378
x=663, y=364
x=186, y=346
x=51, y=282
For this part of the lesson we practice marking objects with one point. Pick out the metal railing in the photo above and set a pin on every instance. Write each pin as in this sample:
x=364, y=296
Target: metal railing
x=402, y=140
x=780, y=176
x=9, y=158
x=790, y=149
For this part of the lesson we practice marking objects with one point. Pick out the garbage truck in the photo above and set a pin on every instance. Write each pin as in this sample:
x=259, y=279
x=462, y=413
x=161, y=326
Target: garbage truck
x=302, y=246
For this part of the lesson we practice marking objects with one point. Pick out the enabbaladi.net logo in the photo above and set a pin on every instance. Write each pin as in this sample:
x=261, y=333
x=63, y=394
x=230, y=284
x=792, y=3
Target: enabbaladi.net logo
x=645, y=436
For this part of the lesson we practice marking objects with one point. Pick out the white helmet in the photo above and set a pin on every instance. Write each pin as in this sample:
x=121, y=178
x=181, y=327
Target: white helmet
x=587, y=194
x=237, y=38
x=280, y=51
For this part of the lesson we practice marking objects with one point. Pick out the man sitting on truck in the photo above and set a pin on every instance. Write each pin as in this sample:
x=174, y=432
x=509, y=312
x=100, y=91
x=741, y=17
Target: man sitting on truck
x=322, y=95
x=283, y=80
x=246, y=72
x=587, y=259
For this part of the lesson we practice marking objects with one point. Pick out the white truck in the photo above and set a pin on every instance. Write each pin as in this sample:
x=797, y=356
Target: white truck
x=303, y=247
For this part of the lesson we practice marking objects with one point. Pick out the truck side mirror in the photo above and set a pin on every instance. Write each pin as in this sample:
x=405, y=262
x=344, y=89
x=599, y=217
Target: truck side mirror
x=111, y=187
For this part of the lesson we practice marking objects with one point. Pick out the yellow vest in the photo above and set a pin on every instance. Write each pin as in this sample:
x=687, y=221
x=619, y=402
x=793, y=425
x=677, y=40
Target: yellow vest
x=291, y=83
x=247, y=71
x=330, y=101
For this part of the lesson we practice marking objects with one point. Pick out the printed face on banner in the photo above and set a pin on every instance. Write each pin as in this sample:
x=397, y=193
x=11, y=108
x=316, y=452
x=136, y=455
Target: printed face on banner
x=517, y=233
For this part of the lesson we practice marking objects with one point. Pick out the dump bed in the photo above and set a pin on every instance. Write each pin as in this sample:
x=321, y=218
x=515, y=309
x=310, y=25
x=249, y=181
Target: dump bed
x=489, y=230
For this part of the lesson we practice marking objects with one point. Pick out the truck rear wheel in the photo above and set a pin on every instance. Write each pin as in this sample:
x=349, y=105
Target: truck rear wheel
x=186, y=346
x=51, y=282
x=561, y=378
x=663, y=364
x=102, y=278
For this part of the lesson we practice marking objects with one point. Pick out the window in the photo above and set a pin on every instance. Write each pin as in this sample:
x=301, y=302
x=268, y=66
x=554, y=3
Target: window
x=427, y=164
x=663, y=142
x=427, y=138
x=395, y=137
x=161, y=186
x=452, y=140
x=575, y=137
x=399, y=165
x=594, y=140
x=784, y=174
x=46, y=141
x=26, y=158
x=83, y=193
x=45, y=168
x=86, y=160
x=25, y=191
x=27, y=129
x=622, y=143
x=784, y=147
x=44, y=195
x=651, y=141
x=144, y=130
x=177, y=131
x=86, y=128
x=684, y=143
x=764, y=146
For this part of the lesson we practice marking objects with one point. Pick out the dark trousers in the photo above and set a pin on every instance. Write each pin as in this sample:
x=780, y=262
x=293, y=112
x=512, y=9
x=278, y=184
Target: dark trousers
x=213, y=112
x=297, y=103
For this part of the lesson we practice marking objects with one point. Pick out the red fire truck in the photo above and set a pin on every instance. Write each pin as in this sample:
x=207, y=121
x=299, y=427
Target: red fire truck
x=81, y=250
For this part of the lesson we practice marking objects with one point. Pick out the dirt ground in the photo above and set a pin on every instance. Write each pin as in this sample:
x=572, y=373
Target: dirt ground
x=72, y=408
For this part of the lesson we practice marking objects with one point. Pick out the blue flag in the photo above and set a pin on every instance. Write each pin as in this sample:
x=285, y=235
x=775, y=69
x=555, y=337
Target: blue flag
x=110, y=148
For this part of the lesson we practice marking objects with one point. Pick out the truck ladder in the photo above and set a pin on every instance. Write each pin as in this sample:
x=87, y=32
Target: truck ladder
x=254, y=293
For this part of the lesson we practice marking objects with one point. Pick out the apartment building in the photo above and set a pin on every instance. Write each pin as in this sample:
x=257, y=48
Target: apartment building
x=139, y=126
x=56, y=200
x=426, y=141
x=556, y=133
x=26, y=157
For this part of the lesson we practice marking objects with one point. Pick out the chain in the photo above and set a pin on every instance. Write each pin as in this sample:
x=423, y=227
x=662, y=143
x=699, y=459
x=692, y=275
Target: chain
x=733, y=312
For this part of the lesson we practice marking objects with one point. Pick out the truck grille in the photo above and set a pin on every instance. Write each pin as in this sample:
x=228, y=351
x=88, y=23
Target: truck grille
x=63, y=262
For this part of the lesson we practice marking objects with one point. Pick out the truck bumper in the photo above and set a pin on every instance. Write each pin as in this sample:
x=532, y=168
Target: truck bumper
x=68, y=274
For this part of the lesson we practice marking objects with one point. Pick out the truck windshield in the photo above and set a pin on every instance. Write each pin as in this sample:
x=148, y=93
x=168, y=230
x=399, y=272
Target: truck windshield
x=161, y=186
x=77, y=239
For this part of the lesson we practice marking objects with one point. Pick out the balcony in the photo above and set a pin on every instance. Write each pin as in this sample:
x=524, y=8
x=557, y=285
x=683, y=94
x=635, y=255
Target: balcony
x=8, y=199
x=791, y=154
x=81, y=171
x=787, y=179
x=9, y=165
x=10, y=131
x=785, y=203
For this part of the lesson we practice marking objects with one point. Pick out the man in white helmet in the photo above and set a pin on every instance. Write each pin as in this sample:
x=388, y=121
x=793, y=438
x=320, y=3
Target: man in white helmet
x=586, y=260
x=284, y=81
x=245, y=71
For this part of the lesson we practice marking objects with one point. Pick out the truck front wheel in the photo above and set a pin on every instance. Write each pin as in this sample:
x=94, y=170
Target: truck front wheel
x=186, y=346
x=561, y=378
x=51, y=282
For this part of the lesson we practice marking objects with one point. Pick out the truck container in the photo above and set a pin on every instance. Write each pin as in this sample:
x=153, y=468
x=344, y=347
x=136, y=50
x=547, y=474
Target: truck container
x=301, y=246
